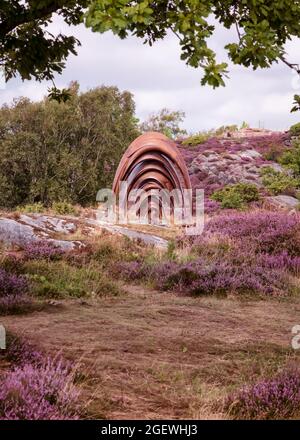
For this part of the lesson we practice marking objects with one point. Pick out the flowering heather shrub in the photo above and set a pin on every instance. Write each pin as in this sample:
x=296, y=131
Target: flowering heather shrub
x=197, y=278
x=266, y=231
x=11, y=263
x=19, y=351
x=42, y=250
x=200, y=278
x=282, y=261
x=211, y=206
x=133, y=270
x=11, y=284
x=39, y=392
x=277, y=398
x=13, y=293
x=14, y=304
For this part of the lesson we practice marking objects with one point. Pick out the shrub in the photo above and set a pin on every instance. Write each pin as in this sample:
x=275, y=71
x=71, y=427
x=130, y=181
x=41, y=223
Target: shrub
x=132, y=271
x=34, y=208
x=13, y=294
x=264, y=231
x=221, y=131
x=211, y=206
x=19, y=351
x=273, y=152
x=276, y=398
x=291, y=159
x=281, y=261
x=198, y=139
x=39, y=392
x=295, y=129
x=11, y=284
x=197, y=278
x=58, y=279
x=11, y=263
x=236, y=196
x=15, y=304
x=278, y=182
x=42, y=250
x=64, y=208
x=200, y=278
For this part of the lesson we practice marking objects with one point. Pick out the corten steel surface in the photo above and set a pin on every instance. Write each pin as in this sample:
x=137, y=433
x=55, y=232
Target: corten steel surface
x=152, y=161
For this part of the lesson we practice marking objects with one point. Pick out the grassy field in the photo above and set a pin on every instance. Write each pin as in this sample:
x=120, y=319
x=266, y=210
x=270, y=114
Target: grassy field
x=148, y=354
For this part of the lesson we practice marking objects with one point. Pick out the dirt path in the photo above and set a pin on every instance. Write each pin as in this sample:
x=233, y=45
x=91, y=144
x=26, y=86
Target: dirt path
x=158, y=355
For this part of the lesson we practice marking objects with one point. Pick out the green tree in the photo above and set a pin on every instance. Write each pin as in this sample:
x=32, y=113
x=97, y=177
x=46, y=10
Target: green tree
x=166, y=122
x=27, y=47
x=262, y=28
x=63, y=152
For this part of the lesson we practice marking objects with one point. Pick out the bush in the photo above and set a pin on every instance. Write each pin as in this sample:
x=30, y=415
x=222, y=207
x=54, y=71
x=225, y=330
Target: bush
x=221, y=131
x=198, y=278
x=198, y=139
x=42, y=250
x=277, y=398
x=19, y=351
x=58, y=279
x=11, y=284
x=64, y=208
x=211, y=206
x=13, y=294
x=278, y=182
x=39, y=392
x=262, y=231
x=236, y=196
x=273, y=152
x=15, y=304
x=202, y=278
x=281, y=261
x=34, y=208
x=295, y=129
x=291, y=159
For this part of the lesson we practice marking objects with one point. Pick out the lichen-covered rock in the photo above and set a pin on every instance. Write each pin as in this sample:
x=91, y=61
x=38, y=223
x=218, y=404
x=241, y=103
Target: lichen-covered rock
x=225, y=161
x=26, y=230
x=283, y=202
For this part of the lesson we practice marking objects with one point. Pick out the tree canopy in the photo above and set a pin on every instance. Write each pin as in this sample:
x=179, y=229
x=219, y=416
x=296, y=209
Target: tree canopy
x=63, y=152
x=165, y=121
x=262, y=29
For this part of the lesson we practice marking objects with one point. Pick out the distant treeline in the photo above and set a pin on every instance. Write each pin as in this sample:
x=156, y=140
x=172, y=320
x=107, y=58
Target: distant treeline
x=52, y=151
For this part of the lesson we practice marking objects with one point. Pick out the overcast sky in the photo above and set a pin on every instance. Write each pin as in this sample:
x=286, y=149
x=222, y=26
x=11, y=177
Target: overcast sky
x=158, y=78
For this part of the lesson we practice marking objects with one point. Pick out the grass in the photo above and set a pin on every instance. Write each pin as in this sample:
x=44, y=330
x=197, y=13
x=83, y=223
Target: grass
x=155, y=355
x=58, y=279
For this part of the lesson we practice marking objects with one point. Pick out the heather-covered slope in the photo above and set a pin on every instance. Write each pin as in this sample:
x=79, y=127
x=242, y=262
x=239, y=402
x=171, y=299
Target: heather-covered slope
x=237, y=158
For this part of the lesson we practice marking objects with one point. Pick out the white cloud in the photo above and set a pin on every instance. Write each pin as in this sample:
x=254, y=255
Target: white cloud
x=158, y=78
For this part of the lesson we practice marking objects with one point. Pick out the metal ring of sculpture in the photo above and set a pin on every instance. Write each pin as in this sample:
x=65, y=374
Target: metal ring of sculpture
x=152, y=162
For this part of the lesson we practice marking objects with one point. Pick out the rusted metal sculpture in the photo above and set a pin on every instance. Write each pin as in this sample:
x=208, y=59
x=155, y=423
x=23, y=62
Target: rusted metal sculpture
x=152, y=162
